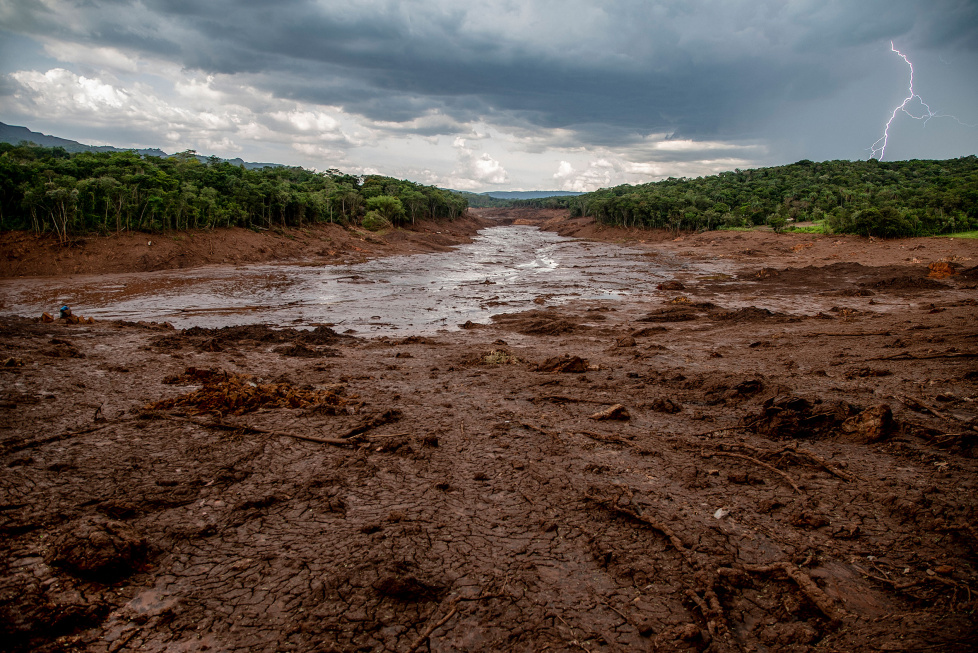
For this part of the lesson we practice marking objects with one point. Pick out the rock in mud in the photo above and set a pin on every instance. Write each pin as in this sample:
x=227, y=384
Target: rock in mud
x=665, y=405
x=616, y=412
x=671, y=285
x=98, y=549
x=789, y=416
x=941, y=270
x=302, y=350
x=872, y=425
x=564, y=364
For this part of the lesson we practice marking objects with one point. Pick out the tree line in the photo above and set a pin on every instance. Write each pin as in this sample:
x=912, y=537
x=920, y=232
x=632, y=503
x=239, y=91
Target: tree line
x=872, y=198
x=49, y=190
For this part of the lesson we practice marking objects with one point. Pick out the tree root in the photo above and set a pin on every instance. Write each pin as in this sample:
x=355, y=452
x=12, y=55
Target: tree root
x=231, y=426
x=432, y=628
x=677, y=543
x=21, y=444
x=812, y=591
x=763, y=464
x=793, y=448
x=604, y=437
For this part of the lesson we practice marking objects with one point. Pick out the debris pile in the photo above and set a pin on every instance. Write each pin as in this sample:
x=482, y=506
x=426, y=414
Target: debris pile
x=228, y=393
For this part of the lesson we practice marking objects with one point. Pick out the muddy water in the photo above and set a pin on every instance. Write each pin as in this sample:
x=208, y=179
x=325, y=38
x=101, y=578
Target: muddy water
x=505, y=269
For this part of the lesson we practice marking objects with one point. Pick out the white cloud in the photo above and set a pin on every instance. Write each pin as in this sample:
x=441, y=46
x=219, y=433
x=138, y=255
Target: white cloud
x=328, y=156
x=307, y=121
x=599, y=173
x=198, y=113
x=475, y=171
x=489, y=170
x=97, y=57
x=686, y=145
x=63, y=91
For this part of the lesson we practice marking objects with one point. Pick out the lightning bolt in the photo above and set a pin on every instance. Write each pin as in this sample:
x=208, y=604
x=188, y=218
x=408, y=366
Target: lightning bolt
x=879, y=147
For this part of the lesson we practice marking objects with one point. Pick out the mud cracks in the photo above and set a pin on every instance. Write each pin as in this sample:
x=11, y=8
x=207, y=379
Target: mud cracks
x=461, y=495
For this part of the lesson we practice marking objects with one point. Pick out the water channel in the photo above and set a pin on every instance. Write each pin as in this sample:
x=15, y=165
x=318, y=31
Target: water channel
x=503, y=270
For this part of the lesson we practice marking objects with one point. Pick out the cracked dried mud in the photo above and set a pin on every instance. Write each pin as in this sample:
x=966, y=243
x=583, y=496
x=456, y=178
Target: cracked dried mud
x=679, y=470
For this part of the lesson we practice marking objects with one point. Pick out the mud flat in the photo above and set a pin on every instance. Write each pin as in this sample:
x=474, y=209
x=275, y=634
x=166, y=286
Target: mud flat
x=777, y=457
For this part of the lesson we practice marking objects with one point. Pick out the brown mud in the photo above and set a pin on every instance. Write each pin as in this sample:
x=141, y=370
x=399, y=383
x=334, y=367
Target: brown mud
x=685, y=471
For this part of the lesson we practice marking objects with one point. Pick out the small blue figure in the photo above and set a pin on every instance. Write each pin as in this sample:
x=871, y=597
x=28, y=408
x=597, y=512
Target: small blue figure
x=65, y=311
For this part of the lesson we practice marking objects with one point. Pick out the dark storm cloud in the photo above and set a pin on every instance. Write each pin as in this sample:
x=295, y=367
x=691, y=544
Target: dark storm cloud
x=693, y=69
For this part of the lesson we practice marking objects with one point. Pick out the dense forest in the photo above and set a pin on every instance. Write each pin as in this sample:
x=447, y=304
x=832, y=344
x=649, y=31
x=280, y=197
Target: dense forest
x=873, y=198
x=48, y=189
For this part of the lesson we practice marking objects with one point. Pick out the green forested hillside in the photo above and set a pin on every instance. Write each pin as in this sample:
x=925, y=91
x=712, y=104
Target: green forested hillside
x=52, y=190
x=893, y=198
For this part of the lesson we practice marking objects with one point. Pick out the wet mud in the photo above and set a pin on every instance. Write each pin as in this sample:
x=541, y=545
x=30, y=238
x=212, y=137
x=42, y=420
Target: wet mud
x=788, y=466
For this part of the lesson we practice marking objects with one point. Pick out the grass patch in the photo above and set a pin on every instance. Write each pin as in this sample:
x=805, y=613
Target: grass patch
x=960, y=234
x=815, y=228
x=500, y=357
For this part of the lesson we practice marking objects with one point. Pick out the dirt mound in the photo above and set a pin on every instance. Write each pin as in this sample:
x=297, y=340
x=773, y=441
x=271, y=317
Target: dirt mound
x=62, y=349
x=851, y=292
x=321, y=335
x=538, y=323
x=791, y=417
x=749, y=314
x=302, y=350
x=301, y=342
x=99, y=549
x=645, y=332
x=564, y=364
x=670, y=314
x=906, y=282
x=671, y=285
x=227, y=393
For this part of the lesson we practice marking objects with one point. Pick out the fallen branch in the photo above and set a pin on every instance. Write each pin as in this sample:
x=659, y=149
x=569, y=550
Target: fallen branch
x=763, y=464
x=20, y=445
x=907, y=356
x=813, y=592
x=705, y=609
x=537, y=429
x=562, y=399
x=793, y=448
x=853, y=335
x=920, y=406
x=834, y=471
x=728, y=428
x=385, y=418
x=432, y=628
x=604, y=437
x=232, y=426
x=912, y=583
x=677, y=543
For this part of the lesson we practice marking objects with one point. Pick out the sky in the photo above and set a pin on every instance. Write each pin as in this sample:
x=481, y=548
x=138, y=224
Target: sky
x=485, y=95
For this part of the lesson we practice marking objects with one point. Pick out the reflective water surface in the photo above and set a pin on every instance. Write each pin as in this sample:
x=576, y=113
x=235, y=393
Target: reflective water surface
x=503, y=270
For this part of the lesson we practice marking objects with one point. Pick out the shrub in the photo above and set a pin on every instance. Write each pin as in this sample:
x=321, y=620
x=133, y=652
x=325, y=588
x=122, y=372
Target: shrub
x=374, y=221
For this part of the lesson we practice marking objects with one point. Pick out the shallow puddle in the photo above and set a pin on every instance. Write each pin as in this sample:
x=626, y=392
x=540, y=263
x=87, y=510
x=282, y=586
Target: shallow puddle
x=504, y=270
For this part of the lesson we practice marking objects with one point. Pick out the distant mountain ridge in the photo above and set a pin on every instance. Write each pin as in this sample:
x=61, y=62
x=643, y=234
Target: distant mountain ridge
x=503, y=198
x=528, y=194
x=14, y=135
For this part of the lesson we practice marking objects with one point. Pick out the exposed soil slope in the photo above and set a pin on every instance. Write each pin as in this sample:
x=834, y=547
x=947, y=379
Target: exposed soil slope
x=25, y=254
